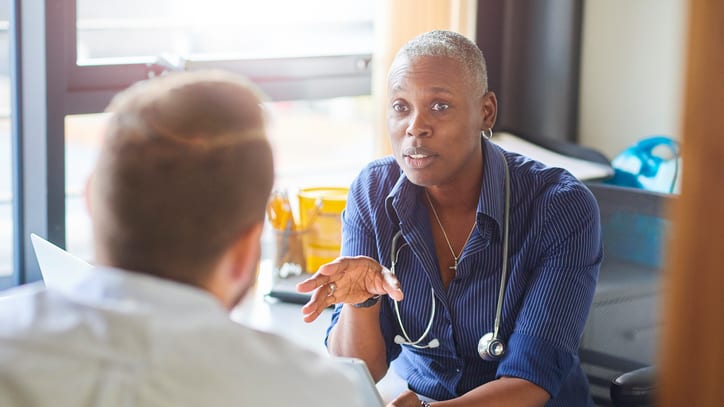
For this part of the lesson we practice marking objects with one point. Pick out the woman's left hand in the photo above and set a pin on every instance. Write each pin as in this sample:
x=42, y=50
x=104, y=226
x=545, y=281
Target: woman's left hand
x=406, y=399
x=349, y=280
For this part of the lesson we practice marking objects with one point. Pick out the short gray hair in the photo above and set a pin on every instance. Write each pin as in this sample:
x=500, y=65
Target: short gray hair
x=440, y=43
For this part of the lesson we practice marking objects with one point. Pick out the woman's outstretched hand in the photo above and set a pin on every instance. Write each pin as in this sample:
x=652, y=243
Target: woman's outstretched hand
x=349, y=280
x=407, y=398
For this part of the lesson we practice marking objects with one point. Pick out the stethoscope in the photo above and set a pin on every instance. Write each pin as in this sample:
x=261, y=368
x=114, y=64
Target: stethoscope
x=490, y=346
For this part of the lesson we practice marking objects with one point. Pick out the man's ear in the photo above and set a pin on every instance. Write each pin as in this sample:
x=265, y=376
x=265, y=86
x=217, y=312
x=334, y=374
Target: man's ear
x=246, y=252
x=236, y=273
x=88, y=192
x=489, y=111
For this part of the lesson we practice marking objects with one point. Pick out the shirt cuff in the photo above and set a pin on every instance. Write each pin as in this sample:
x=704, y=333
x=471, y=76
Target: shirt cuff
x=537, y=361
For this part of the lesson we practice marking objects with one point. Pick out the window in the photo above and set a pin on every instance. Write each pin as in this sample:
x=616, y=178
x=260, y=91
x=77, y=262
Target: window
x=6, y=191
x=83, y=135
x=292, y=49
x=297, y=129
x=128, y=30
x=311, y=58
x=321, y=142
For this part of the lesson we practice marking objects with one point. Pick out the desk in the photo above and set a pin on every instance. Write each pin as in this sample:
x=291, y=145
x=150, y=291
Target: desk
x=285, y=320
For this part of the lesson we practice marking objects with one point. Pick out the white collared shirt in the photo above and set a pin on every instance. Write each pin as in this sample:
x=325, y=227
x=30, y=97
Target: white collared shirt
x=125, y=339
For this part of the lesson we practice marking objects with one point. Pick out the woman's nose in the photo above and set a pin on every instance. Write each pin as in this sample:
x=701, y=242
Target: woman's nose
x=418, y=125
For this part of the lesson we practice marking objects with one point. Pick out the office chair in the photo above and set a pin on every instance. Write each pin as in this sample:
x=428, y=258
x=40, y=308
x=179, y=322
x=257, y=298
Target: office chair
x=634, y=389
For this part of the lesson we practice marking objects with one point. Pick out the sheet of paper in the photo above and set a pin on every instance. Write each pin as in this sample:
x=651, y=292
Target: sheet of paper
x=581, y=169
x=59, y=268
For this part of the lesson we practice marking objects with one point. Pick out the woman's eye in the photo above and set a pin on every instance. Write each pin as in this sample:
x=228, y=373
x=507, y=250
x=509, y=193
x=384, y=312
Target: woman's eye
x=399, y=107
x=439, y=107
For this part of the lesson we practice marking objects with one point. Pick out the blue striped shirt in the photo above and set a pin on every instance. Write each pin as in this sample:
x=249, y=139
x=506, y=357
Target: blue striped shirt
x=555, y=251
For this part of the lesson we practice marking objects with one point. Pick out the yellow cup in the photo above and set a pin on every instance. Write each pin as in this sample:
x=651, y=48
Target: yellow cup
x=320, y=211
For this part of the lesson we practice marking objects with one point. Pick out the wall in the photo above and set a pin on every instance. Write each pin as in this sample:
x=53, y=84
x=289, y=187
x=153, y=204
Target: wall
x=532, y=48
x=540, y=69
x=632, y=66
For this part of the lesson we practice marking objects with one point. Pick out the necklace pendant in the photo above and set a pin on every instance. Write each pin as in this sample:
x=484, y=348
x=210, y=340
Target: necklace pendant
x=454, y=267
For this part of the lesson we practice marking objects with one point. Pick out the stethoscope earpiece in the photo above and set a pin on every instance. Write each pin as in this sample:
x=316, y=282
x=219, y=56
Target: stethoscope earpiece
x=491, y=348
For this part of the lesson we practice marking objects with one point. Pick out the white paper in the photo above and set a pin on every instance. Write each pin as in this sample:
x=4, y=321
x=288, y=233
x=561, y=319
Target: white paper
x=581, y=169
x=59, y=268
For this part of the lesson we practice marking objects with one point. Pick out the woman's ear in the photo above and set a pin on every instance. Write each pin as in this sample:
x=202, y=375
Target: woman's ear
x=88, y=193
x=490, y=110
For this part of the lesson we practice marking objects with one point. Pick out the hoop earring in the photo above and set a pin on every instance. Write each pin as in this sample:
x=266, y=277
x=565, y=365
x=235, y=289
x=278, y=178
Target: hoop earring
x=486, y=136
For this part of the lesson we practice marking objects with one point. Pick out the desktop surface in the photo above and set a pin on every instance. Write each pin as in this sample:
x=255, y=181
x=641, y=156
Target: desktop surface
x=269, y=314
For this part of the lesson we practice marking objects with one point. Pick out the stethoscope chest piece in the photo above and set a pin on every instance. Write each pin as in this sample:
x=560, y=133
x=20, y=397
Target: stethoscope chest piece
x=491, y=348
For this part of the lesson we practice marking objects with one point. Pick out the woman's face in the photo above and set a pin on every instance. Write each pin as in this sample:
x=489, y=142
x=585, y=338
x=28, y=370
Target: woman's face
x=434, y=117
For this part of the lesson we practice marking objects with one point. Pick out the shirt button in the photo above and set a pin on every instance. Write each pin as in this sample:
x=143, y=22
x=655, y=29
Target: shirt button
x=457, y=370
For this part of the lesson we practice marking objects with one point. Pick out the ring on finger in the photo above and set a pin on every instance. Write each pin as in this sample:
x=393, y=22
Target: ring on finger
x=332, y=287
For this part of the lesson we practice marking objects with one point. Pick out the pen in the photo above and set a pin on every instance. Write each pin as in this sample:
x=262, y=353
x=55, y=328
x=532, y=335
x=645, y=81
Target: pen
x=279, y=211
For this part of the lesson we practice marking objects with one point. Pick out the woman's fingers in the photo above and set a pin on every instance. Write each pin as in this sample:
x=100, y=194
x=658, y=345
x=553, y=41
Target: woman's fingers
x=321, y=277
x=347, y=280
x=312, y=283
x=391, y=284
x=322, y=298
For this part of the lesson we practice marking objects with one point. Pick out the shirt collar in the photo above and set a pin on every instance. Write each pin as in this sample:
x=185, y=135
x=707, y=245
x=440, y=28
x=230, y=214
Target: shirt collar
x=105, y=285
x=395, y=204
x=492, y=192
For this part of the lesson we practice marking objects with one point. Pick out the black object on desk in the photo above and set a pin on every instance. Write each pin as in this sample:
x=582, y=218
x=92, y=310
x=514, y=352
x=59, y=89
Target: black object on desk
x=285, y=289
x=290, y=297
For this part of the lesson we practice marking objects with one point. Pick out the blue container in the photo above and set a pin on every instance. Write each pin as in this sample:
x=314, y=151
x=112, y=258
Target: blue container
x=651, y=164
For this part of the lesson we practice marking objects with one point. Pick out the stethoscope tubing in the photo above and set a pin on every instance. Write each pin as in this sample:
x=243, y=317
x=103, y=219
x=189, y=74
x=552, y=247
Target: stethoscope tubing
x=394, y=251
x=504, y=273
x=393, y=260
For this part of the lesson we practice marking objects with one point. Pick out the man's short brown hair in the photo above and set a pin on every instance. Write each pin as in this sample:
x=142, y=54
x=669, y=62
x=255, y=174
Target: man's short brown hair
x=185, y=169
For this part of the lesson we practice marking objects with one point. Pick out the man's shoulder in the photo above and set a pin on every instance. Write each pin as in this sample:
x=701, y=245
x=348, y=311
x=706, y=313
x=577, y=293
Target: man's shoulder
x=49, y=331
x=276, y=352
x=284, y=370
x=20, y=293
x=22, y=307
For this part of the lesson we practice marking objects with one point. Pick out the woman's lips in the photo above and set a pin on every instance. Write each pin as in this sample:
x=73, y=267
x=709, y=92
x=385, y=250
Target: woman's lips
x=418, y=163
x=418, y=157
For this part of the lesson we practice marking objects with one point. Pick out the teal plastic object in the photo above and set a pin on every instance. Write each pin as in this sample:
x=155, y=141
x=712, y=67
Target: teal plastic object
x=651, y=164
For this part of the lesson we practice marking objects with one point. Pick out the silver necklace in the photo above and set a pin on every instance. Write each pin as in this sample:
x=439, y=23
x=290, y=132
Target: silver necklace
x=455, y=258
